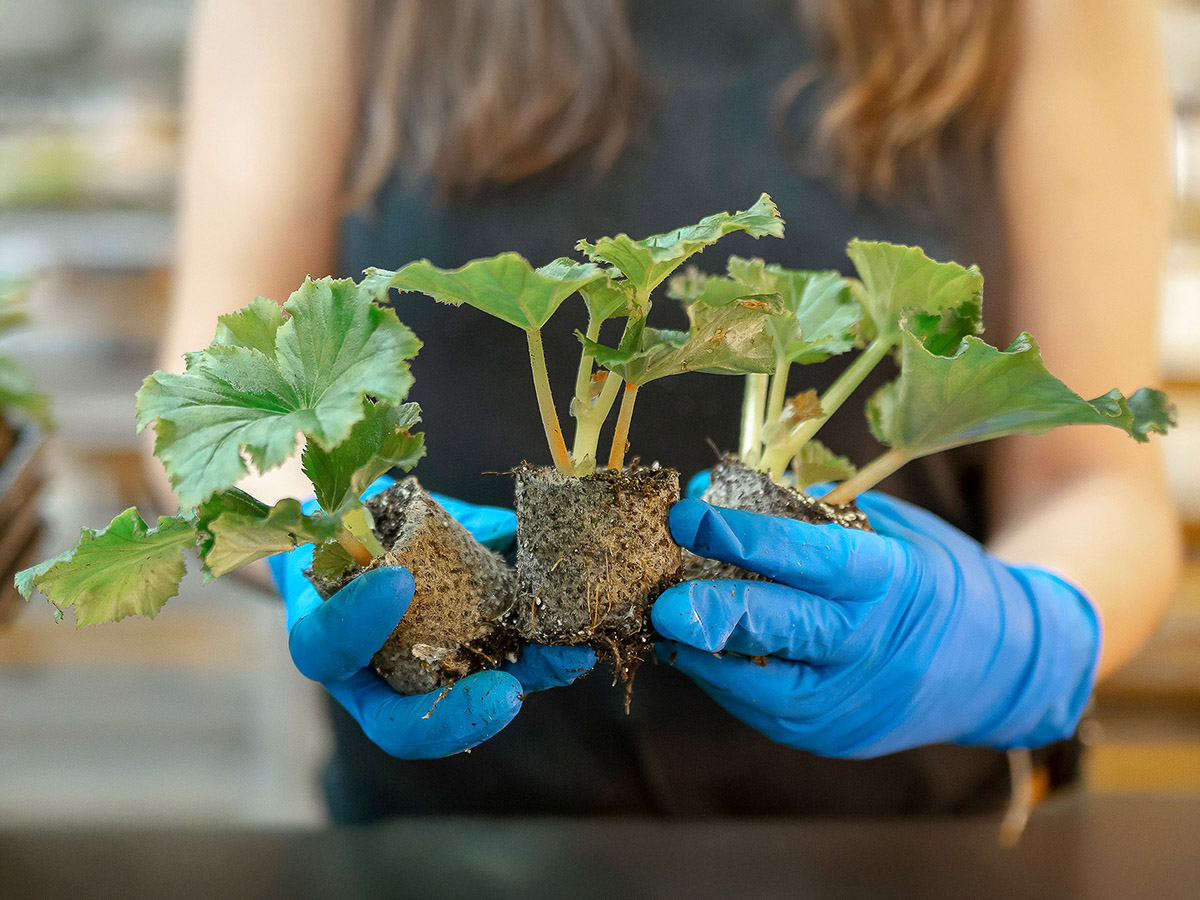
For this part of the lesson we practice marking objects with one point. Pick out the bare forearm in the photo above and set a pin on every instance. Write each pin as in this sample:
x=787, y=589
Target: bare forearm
x=1116, y=535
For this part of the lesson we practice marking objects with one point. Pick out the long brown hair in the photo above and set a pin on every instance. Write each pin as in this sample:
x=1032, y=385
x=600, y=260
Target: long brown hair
x=486, y=92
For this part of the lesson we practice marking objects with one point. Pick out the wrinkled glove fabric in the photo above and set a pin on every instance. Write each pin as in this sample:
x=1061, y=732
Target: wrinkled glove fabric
x=867, y=643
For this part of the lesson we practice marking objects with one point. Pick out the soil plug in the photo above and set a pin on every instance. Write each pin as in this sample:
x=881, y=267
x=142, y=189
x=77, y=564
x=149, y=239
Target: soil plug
x=593, y=553
x=455, y=623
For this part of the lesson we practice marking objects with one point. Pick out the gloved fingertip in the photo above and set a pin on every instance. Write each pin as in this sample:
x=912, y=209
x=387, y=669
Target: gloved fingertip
x=393, y=584
x=674, y=615
x=540, y=666
x=480, y=706
x=340, y=636
x=684, y=520
x=702, y=528
x=698, y=484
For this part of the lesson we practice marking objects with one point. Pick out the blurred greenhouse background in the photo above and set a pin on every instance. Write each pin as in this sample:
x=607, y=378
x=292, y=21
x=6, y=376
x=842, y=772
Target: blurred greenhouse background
x=200, y=717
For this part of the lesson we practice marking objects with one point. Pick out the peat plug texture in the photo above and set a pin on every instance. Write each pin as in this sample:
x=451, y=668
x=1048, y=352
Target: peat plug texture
x=454, y=625
x=735, y=486
x=593, y=553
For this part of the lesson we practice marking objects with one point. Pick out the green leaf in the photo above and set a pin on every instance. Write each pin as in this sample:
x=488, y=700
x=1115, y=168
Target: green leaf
x=694, y=287
x=897, y=281
x=723, y=340
x=332, y=561
x=123, y=570
x=607, y=299
x=648, y=262
x=505, y=286
x=335, y=348
x=255, y=326
x=817, y=463
x=237, y=530
x=1152, y=412
x=379, y=442
x=821, y=320
x=980, y=392
x=817, y=318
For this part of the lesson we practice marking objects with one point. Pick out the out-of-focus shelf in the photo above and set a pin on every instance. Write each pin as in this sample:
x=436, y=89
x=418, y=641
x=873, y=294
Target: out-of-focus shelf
x=100, y=240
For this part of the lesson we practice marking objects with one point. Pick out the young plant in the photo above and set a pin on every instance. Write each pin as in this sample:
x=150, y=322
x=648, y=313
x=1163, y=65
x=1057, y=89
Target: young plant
x=577, y=523
x=953, y=388
x=618, y=283
x=329, y=367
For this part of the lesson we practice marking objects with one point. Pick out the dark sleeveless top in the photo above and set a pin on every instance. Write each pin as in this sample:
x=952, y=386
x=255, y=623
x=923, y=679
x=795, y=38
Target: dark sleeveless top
x=707, y=145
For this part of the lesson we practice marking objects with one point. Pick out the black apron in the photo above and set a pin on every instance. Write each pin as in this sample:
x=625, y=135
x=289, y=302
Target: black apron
x=707, y=144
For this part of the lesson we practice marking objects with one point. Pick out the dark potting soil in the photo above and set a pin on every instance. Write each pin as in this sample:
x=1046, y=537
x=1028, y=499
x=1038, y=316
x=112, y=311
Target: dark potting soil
x=593, y=553
x=455, y=623
x=735, y=486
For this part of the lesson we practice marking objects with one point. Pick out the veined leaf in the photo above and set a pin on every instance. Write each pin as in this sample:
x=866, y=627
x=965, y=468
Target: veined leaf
x=123, y=570
x=378, y=443
x=818, y=318
x=822, y=318
x=236, y=530
x=332, y=560
x=816, y=463
x=980, y=392
x=648, y=262
x=335, y=348
x=254, y=326
x=606, y=299
x=693, y=286
x=725, y=340
x=898, y=281
x=505, y=286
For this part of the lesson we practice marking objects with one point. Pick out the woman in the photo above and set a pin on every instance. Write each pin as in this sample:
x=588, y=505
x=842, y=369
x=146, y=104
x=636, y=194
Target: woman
x=494, y=126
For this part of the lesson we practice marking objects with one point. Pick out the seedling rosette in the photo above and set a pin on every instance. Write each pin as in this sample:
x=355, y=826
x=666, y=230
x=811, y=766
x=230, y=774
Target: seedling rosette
x=330, y=369
x=952, y=389
x=593, y=547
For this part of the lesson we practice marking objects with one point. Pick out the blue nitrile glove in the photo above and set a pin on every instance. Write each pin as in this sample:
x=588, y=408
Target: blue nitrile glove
x=332, y=643
x=698, y=484
x=865, y=644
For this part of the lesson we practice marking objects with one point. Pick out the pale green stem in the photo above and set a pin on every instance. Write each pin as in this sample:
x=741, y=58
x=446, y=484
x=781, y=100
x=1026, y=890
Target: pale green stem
x=778, y=393
x=616, y=455
x=591, y=420
x=867, y=477
x=541, y=384
x=754, y=405
x=583, y=378
x=358, y=523
x=776, y=457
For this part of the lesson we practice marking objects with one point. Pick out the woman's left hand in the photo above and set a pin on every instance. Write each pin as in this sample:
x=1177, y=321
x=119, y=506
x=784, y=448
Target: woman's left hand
x=869, y=643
